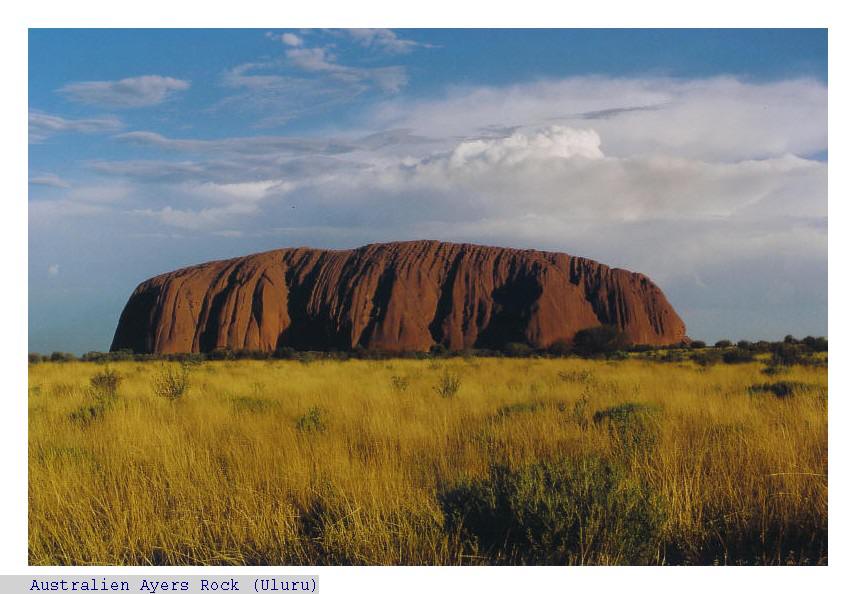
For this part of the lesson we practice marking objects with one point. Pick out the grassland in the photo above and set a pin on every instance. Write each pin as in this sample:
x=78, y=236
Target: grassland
x=453, y=461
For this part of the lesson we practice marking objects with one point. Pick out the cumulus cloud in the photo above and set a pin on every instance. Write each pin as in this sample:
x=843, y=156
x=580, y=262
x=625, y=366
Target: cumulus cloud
x=290, y=39
x=548, y=143
x=140, y=91
x=717, y=119
x=43, y=125
x=560, y=174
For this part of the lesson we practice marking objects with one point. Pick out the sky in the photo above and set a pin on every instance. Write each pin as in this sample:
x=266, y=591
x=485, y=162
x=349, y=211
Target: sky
x=698, y=157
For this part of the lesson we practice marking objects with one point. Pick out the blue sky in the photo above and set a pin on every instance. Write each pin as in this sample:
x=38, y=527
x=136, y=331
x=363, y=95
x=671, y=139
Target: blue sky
x=695, y=156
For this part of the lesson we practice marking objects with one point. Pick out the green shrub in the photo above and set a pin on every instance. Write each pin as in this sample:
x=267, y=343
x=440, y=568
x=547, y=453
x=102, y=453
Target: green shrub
x=448, y=385
x=562, y=348
x=737, y=356
x=580, y=411
x=672, y=356
x=580, y=510
x=307, y=357
x=400, y=383
x=782, y=389
x=705, y=358
x=786, y=354
x=284, y=353
x=313, y=421
x=221, y=354
x=576, y=377
x=517, y=349
x=438, y=350
x=722, y=344
x=171, y=382
x=641, y=348
x=631, y=424
x=251, y=404
x=105, y=383
x=816, y=345
x=88, y=413
x=104, y=388
x=698, y=344
x=599, y=340
x=188, y=359
x=520, y=407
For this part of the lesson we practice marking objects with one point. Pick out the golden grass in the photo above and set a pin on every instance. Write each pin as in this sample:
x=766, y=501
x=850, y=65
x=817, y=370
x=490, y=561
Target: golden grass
x=229, y=474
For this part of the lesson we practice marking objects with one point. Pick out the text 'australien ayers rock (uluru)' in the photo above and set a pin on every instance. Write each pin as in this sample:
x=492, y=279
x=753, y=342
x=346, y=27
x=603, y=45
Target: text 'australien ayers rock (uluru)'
x=403, y=296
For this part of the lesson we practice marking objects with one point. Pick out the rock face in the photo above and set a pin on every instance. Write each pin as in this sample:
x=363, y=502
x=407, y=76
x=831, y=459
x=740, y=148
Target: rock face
x=404, y=296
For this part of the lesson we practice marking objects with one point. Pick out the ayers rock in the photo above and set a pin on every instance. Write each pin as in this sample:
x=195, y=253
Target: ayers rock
x=403, y=296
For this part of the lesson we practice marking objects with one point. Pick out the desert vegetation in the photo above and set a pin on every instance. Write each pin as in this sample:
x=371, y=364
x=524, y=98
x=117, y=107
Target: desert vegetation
x=653, y=457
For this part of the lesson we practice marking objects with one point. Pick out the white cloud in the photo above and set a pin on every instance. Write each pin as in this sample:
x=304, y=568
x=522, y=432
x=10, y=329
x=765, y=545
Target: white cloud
x=53, y=270
x=59, y=212
x=290, y=39
x=718, y=118
x=221, y=204
x=88, y=200
x=241, y=76
x=390, y=79
x=140, y=91
x=248, y=192
x=42, y=125
x=48, y=179
x=384, y=39
x=275, y=90
x=100, y=193
x=552, y=142
x=239, y=145
x=205, y=218
x=561, y=174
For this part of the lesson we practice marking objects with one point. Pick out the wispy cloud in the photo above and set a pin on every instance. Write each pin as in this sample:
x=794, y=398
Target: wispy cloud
x=307, y=79
x=223, y=203
x=273, y=91
x=140, y=91
x=385, y=39
x=50, y=180
x=389, y=79
x=240, y=145
x=43, y=125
